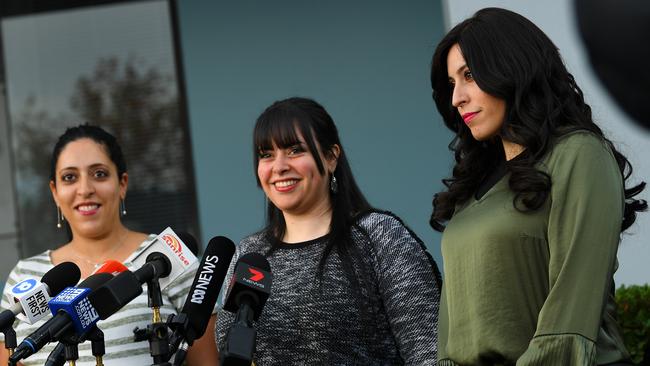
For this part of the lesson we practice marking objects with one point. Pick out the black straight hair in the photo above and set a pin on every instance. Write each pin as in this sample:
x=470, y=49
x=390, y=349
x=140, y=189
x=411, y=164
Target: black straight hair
x=95, y=133
x=512, y=59
x=280, y=125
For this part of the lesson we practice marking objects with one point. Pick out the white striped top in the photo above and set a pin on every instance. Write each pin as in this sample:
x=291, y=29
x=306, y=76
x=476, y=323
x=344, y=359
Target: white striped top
x=121, y=350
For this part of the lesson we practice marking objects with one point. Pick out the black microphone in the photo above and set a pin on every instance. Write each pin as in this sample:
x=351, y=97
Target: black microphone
x=57, y=356
x=73, y=311
x=126, y=286
x=189, y=241
x=249, y=290
x=250, y=285
x=32, y=297
x=167, y=257
x=191, y=323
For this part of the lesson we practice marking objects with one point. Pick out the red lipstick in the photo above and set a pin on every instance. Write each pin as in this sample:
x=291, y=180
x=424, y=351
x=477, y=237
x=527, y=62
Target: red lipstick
x=467, y=117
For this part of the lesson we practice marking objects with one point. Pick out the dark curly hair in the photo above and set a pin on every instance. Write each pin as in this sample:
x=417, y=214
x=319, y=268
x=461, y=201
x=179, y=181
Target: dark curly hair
x=512, y=59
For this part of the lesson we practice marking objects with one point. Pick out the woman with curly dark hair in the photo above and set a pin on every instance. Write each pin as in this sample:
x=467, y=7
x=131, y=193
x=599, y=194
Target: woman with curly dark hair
x=534, y=209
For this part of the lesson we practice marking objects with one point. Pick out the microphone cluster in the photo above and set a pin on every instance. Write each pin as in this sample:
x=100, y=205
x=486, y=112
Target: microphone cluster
x=76, y=309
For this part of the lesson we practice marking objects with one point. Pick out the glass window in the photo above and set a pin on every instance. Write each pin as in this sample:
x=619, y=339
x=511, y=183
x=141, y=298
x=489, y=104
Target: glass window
x=113, y=65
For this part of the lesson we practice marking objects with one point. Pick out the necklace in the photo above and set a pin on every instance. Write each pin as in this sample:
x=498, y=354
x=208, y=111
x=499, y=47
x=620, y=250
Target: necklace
x=95, y=264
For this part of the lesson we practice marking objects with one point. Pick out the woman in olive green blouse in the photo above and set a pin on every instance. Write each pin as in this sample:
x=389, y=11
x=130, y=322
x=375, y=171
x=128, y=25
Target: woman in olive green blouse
x=534, y=209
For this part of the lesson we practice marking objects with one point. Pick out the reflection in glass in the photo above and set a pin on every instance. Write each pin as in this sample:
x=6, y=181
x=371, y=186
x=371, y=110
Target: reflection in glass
x=107, y=65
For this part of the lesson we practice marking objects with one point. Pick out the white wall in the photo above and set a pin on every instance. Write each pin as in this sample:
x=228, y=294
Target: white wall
x=556, y=18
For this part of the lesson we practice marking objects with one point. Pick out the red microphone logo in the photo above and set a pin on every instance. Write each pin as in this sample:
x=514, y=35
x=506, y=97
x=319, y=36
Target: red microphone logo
x=256, y=275
x=173, y=243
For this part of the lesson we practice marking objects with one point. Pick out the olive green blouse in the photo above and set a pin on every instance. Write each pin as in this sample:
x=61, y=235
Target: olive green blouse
x=536, y=288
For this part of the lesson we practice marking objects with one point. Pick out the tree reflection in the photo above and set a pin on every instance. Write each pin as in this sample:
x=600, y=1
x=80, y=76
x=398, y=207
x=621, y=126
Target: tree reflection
x=139, y=105
x=141, y=109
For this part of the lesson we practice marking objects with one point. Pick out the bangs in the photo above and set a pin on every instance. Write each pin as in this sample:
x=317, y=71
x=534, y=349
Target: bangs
x=281, y=127
x=281, y=132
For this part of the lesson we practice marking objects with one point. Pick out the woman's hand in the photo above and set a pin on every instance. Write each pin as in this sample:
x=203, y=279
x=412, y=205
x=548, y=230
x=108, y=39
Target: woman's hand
x=204, y=350
x=4, y=355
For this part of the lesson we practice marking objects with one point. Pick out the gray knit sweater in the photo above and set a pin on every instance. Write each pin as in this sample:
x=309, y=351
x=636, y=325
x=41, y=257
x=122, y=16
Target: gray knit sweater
x=391, y=321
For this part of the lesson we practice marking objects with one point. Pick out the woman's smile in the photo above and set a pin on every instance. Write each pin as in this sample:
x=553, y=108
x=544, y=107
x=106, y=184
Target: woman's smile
x=88, y=209
x=286, y=185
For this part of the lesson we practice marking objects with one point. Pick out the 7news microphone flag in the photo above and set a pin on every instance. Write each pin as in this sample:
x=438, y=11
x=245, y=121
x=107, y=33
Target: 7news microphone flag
x=249, y=290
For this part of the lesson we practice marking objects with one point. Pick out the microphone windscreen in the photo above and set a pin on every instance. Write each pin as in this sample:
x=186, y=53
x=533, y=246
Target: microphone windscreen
x=82, y=314
x=111, y=266
x=251, y=284
x=256, y=260
x=189, y=241
x=61, y=276
x=94, y=281
x=114, y=295
x=207, y=284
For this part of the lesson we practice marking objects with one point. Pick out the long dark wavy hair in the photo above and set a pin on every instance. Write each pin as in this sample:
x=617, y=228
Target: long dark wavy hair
x=512, y=59
x=280, y=124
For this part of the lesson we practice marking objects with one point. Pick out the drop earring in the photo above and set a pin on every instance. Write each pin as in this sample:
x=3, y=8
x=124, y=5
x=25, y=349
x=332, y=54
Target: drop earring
x=59, y=217
x=123, y=207
x=334, y=185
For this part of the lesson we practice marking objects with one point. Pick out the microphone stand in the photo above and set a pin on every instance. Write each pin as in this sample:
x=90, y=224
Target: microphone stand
x=68, y=346
x=10, y=338
x=71, y=352
x=240, y=345
x=97, y=346
x=56, y=357
x=178, y=324
x=156, y=333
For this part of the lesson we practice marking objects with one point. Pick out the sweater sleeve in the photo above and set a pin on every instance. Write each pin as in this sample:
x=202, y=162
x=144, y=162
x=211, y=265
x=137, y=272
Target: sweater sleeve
x=409, y=284
x=584, y=224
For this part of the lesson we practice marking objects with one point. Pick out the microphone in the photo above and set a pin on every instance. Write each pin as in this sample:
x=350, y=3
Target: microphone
x=166, y=257
x=193, y=320
x=56, y=357
x=32, y=296
x=249, y=290
x=111, y=266
x=250, y=285
x=170, y=245
x=70, y=308
x=189, y=241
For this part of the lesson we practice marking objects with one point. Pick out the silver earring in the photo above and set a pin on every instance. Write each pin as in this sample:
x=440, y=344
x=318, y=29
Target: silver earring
x=123, y=207
x=59, y=217
x=334, y=186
